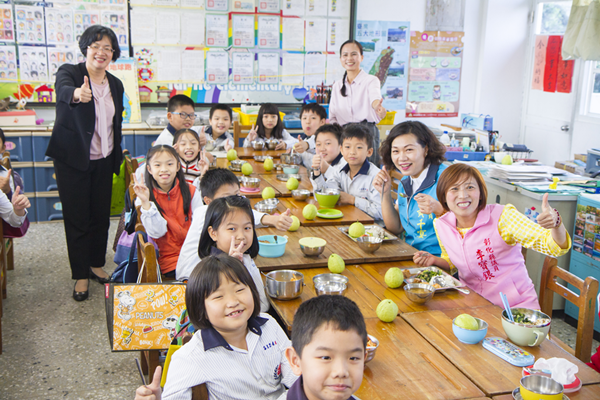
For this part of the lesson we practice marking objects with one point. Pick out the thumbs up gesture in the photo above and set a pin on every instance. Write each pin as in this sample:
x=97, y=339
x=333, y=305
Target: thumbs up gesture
x=151, y=391
x=284, y=221
x=84, y=93
x=549, y=217
x=301, y=146
x=379, y=109
x=20, y=202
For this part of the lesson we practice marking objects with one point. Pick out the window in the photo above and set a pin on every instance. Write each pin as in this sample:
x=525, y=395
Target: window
x=593, y=108
x=554, y=17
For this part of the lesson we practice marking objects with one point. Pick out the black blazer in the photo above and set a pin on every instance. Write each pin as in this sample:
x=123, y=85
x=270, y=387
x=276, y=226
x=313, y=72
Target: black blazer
x=75, y=123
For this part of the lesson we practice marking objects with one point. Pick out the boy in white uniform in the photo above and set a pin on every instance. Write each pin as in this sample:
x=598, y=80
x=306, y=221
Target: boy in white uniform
x=181, y=115
x=312, y=116
x=354, y=180
x=328, y=158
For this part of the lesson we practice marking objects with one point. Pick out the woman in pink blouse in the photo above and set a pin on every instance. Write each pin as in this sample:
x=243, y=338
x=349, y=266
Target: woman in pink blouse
x=357, y=97
x=86, y=148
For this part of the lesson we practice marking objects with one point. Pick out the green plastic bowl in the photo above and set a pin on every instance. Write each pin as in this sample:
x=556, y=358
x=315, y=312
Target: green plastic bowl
x=327, y=200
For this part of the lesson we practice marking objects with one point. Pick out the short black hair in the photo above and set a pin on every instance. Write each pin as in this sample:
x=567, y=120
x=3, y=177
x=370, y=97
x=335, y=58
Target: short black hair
x=223, y=107
x=214, y=179
x=314, y=108
x=217, y=211
x=205, y=279
x=179, y=100
x=436, y=151
x=335, y=129
x=95, y=33
x=342, y=313
x=358, y=131
x=2, y=137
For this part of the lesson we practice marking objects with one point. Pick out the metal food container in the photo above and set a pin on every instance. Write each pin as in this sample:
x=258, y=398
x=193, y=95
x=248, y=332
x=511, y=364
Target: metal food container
x=317, y=279
x=284, y=284
x=300, y=194
x=368, y=244
x=419, y=293
x=258, y=144
x=250, y=183
x=262, y=158
x=291, y=159
x=236, y=165
x=371, y=350
x=272, y=143
x=268, y=206
x=331, y=287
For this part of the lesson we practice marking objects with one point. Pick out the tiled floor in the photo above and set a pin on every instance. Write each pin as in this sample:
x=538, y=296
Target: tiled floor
x=56, y=348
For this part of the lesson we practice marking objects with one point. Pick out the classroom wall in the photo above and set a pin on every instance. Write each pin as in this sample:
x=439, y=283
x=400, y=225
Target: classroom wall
x=493, y=60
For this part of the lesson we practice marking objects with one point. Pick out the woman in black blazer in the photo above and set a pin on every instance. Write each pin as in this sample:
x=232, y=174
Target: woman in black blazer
x=86, y=148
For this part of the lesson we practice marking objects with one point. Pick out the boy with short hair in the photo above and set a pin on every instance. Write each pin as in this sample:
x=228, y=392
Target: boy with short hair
x=328, y=158
x=181, y=115
x=217, y=183
x=312, y=116
x=329, y=340
x=220, y=117
x=355, y=179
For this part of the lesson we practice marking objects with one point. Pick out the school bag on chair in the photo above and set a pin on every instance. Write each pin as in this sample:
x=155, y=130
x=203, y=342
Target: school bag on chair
x=127, y=270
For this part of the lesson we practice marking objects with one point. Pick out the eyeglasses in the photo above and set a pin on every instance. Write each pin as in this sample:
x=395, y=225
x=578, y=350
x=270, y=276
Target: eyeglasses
x=99, y=49
x=186, y=116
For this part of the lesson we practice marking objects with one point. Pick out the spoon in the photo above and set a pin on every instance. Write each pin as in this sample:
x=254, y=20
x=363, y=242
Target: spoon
x=439, y=279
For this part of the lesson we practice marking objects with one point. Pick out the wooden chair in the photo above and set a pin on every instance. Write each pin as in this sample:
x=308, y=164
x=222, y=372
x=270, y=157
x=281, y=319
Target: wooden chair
x=8, y=242
x=131, y=165
x=240, y=132
x=586, y=300
x=147, y=255
x=396, y=177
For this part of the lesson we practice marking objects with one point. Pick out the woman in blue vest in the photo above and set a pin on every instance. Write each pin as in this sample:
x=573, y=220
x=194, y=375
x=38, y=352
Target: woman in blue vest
x=415, y=151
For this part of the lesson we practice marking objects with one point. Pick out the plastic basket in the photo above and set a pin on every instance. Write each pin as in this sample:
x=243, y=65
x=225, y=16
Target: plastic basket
x=249, y=119
x=389, y=118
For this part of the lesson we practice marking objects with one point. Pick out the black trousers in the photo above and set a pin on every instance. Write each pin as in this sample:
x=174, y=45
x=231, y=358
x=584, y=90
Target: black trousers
x=86, y=198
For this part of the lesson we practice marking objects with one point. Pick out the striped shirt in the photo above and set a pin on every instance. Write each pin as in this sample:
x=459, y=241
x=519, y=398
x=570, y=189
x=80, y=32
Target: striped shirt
x=515, y=228
x=231, y=373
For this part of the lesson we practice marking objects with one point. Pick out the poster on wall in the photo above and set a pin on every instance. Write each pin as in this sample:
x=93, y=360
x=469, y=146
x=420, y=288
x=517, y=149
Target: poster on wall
x=33, y=65
x=434, y=74
x=586, y=238
x=125, y=69
x=30, y=24
x=58, y=56
x=59, y=26
x=8, y=64
x=117, y=21
x=386, y=50
x=83, y=20
x=7, y=29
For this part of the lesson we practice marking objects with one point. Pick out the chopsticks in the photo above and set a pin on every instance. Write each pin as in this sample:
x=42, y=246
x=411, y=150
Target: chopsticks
x=507, y=307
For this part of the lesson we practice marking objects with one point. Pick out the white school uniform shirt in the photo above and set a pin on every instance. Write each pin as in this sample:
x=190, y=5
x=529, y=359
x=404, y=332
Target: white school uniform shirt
x=7, y=212
x=188, y=256
x=221, y=140
x=166, y=136
x=155, y=224
x=286, y=137
x=231, y=373
x=367, y=198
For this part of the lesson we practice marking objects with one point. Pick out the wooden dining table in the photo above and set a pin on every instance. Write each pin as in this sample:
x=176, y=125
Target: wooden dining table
x=337, y=243
x=350, y=213
x=249, y=152
x=488, y=371
x=587, y=392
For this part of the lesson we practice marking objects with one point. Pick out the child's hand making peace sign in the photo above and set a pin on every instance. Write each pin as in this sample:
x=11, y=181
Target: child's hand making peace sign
x=142, y=192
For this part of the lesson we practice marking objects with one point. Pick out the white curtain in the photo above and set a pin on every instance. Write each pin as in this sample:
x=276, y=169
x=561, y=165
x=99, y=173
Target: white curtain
x=582, y=37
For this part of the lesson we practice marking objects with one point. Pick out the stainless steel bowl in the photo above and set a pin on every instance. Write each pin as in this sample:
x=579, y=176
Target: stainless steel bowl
x=268, y=206
x=295, y=159
x=272, y=143
x=285, y=177
x=371, y=350
x=258, y=144
x=236, y=165
x=312, y=251
x=262, y=158
x=329, y=192
x=250, y=183
x=419, y=293
x=300, y=194
x=317, y=279
x=541, y=385
x=210, y=145
x=284, y=284
x=331, y=287
x=369, y=244
x=278, y=166
x=213, y=164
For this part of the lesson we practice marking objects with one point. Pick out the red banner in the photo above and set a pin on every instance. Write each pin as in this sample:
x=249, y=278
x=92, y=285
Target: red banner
x=551, y=68
x=564, y=75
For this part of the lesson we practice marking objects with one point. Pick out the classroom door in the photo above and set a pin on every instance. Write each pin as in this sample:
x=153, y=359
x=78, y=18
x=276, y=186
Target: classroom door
x=547, y=119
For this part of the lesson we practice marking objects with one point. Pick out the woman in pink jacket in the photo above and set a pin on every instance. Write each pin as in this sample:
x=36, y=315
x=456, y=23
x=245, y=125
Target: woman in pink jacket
x=483, y=242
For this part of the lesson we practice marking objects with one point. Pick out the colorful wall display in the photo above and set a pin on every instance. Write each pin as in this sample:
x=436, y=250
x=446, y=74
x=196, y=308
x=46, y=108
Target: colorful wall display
x=386, y=46
x=550, y=72
x=586, y=238
x=7, y=29
x=125, y=70
x=434, y=74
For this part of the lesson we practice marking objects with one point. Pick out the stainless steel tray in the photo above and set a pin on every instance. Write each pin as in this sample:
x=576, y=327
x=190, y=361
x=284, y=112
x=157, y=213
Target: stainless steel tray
x=285, y=177
x=388, y=235
x=415, y=271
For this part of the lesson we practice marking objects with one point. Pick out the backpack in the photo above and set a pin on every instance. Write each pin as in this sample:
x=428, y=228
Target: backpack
x=127, y=271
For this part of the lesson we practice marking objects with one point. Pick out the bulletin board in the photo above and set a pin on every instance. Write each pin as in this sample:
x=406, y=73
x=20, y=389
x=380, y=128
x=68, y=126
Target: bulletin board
x=215, y=51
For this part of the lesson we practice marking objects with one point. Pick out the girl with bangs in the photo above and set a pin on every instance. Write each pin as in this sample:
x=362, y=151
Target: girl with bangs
x=270, y=126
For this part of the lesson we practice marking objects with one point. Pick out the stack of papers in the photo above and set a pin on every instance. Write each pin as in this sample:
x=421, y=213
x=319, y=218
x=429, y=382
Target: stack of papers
x=532, y=174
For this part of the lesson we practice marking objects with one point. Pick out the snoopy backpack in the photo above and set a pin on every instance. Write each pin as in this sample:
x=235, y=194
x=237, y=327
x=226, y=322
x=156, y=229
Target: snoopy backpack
x=143, y=316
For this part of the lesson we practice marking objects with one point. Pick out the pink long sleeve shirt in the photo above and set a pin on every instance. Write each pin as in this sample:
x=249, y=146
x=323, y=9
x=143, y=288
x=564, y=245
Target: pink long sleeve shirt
x=357, y=105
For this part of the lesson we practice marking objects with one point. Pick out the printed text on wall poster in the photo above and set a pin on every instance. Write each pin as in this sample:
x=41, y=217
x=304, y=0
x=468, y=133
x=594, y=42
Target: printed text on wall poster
x=434, y=74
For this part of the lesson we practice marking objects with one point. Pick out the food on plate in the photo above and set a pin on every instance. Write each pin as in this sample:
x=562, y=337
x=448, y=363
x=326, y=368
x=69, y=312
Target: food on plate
x=356, y=230
x=394, y=277
x=336, y=264
x=370, y=343
x=377, y=232
x=428, y=274
x=387, y=310
x=520, y=318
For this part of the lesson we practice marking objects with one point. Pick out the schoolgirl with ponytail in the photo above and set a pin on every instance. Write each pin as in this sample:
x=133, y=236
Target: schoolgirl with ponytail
x=356, y=98
x=168, y=203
